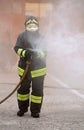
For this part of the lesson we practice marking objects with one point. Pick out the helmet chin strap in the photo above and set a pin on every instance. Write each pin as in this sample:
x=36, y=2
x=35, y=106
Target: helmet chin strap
x=31, y=29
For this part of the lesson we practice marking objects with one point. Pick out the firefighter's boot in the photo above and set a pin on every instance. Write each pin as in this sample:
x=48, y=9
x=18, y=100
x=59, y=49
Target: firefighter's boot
x=21, y=113
x=35, y=115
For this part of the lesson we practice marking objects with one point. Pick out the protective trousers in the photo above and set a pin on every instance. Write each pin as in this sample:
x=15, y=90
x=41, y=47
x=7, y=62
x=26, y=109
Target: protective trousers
x=35, y=98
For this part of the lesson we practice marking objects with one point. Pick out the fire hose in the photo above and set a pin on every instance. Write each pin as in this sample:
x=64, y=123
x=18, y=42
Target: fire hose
x=22, y=79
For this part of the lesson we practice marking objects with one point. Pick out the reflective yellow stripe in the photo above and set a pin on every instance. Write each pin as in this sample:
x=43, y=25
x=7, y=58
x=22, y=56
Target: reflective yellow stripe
x=20, y=71
x=19, y=51
x=22, y=97
x=42, y=54
x=37, y=73
x=31, y=21
x=23, y=53
x=36, y=99
x=34, y=21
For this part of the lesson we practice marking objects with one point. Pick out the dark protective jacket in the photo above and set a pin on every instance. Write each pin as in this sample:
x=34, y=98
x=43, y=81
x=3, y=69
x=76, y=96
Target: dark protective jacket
x=31, y=40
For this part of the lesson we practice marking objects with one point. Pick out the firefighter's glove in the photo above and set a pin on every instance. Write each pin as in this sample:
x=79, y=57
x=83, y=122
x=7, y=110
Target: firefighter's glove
x=28, y=54
x=39, y=54
x=35, y=53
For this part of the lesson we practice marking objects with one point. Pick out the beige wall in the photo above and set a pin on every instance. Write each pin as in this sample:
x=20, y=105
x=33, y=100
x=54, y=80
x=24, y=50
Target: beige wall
x=11, y=19
x=11, y=24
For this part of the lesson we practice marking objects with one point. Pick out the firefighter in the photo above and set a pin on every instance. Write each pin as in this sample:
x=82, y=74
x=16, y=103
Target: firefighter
x=30, y=46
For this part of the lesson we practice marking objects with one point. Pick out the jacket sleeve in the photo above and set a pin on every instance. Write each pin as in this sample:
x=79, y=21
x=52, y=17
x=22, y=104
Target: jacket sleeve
x=19, y=46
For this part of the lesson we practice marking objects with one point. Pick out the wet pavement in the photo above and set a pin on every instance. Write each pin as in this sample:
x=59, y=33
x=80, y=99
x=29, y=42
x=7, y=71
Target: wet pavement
x=62, y=109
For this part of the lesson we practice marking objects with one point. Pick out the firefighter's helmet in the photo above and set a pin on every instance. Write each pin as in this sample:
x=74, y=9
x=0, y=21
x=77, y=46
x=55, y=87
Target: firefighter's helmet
x=31, y=23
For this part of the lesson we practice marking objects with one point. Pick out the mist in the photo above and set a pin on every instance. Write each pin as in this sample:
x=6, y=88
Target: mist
x=64, y=31
x=65, y=49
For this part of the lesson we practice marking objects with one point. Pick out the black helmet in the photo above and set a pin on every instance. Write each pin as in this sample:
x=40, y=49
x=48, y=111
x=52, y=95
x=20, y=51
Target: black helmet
x=31, y=19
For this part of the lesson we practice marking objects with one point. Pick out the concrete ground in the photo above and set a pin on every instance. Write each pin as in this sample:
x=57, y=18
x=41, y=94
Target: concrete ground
x=62, y=108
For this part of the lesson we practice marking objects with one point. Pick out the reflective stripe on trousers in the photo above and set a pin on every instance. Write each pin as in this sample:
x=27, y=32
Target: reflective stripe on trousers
x=36, y=99
x=22, y=97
